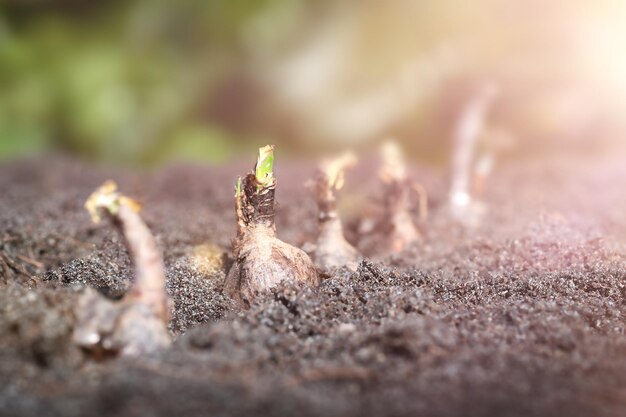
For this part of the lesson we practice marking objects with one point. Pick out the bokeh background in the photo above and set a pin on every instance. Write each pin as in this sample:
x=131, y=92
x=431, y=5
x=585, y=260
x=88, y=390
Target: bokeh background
x=148, y=82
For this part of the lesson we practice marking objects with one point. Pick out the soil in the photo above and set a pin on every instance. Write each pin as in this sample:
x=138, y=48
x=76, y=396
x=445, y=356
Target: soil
x=522, y=316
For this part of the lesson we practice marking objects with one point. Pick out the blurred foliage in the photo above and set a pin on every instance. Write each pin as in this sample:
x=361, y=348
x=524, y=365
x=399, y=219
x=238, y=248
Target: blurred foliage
x=123, y=81
x=149, y=81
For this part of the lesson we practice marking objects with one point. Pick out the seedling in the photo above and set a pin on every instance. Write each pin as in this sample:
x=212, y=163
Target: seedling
x=466, y=137
x=137, y=324
x=261, y=259
x=332, y=250
x=398, y=187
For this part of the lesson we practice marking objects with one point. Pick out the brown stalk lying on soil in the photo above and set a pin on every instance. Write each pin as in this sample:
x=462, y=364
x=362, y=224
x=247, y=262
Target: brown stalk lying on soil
x=261, y=259
x=138, y=323
x=332, y=250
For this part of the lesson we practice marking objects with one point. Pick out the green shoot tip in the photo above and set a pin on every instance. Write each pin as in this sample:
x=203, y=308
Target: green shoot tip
x=238, y=188
x=263, y=170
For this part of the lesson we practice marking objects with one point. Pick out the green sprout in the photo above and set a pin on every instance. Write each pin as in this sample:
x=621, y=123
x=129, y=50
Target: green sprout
x=261, y=260
x=238, y=188
x=263, y=171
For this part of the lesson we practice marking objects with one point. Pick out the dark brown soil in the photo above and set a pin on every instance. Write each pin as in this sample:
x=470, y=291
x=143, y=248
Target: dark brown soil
x=524, y=316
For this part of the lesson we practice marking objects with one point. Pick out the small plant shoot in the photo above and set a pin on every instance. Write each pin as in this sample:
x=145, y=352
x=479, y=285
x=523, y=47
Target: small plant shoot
x=137, y=324
x=261, y=259
x=264, y=169
x=331, y=249
x=398, y=186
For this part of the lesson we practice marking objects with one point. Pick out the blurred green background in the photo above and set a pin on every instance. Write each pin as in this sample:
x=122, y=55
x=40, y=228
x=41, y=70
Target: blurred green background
x=123, y=81
x=150, y=81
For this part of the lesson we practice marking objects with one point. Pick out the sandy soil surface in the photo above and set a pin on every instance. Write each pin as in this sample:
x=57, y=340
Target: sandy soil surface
x=523, y=316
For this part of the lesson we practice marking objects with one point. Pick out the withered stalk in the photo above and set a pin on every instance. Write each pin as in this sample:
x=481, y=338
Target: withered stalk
x=137, y=324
